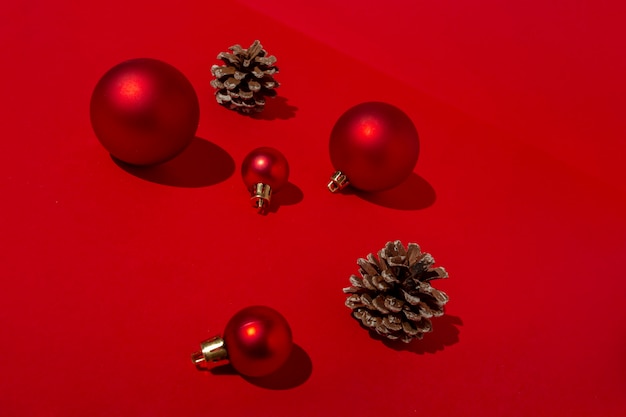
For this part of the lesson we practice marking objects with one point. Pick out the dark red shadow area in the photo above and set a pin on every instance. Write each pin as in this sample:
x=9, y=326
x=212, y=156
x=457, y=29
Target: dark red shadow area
x=289, y=195
x=276, y=108
x=445, y=333
x=201, y=164
x=415, y=193
x=295, y=372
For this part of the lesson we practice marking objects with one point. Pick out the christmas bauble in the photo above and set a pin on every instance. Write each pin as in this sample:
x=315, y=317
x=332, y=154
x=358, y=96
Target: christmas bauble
x=267, y=166
x=144, y=111
x=264, y=171
x=258, y=341
x=375, y=145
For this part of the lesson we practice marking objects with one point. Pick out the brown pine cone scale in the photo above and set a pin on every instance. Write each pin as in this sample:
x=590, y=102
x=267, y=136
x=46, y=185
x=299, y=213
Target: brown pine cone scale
x=393, y=295
x=245, y=78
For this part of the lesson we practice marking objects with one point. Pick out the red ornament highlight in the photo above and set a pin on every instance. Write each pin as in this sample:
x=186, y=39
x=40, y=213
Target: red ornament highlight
x=257, y=341
x=373, y=146
x=264, y=171
x=144, y=111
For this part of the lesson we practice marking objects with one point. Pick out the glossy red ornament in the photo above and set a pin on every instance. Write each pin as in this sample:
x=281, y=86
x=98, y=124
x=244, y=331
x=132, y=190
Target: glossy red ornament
x=257, y=341
x=373, y=146
x=264, y=171
x=144, y=111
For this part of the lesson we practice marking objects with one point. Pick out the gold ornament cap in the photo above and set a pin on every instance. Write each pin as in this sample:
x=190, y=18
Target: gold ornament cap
x=211, y=350
x=338, y=182
x=260, y=196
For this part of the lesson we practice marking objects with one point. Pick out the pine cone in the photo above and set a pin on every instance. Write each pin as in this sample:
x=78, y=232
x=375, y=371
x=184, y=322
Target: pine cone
x=245, y=79
x=394, y=296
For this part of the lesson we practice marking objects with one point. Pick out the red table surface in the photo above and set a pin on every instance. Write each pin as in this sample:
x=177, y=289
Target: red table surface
x=112, y=277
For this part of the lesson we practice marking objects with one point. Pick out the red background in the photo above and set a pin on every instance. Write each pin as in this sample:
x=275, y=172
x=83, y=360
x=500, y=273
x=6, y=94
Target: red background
x=111, y=277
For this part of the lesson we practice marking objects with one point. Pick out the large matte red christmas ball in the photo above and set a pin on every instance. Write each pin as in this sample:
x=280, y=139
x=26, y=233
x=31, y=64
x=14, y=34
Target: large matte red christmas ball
x=375, y=145
x=144, y=111
x=258, y=341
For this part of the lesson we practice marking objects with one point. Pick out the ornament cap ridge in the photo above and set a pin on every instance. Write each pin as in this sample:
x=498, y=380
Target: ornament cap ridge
x=338, y=181
x=211, y=350
x=260, y=196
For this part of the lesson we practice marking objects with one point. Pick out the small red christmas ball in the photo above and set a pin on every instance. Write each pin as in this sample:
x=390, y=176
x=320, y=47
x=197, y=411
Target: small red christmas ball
x=144, y=111
x=265, y=166
x=258, y=340
x=375, y=145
